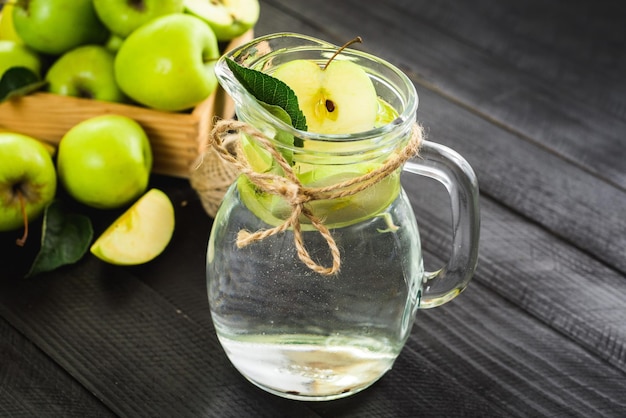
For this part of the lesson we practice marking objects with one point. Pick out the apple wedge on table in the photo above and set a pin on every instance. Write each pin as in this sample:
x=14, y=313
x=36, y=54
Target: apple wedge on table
x=140, y=234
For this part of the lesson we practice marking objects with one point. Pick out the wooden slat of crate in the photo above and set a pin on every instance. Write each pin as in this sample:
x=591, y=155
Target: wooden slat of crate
x=174, y=136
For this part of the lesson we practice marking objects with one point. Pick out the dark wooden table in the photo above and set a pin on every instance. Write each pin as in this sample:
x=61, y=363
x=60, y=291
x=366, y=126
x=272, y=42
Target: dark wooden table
x=533, y=94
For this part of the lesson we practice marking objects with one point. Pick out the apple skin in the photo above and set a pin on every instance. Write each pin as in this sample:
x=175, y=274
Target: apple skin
x=25, y=164
x=227, y=18
x=105, y=161
x=56, y=26
x=124, y=16
x=114, y=43
x=140, y=234
x=85, y=71
x=168, y=63
x=13, y=54
x=7, y=29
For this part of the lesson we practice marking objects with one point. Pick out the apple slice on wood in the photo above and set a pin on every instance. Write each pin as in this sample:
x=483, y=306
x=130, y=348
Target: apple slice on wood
x=140, y=234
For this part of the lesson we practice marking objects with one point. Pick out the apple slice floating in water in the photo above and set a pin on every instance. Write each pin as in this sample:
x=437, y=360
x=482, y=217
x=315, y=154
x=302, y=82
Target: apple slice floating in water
x=140, y=234
x=336, y=99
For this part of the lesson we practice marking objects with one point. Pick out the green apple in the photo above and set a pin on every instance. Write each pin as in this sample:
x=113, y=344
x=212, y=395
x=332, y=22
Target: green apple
x=140, y=234
x=338, y=98
x=168, y=63
x=85, y=71
x=227, y=18
x=7, y=28
x=56, y=26
x=13, y=54
x=124, y=16
x=28, y=180
x=105, y=161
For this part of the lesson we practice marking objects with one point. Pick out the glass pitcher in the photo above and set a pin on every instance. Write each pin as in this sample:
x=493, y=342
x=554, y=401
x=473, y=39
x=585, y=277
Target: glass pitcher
x=322, y=312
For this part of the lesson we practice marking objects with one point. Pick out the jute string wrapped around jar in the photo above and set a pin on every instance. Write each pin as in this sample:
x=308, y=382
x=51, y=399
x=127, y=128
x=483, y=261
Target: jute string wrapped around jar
x=226, y=147
x=211, y=176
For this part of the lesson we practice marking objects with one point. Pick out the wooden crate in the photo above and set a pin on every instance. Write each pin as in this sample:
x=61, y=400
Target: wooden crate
x=176, y=138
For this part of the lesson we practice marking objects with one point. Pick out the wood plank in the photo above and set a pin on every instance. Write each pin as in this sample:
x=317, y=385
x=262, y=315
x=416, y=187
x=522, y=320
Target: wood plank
x=574, y=47
x=573, y=204
x=558, y=284
x=135, y=351
x=31, y=384
x=506, y=357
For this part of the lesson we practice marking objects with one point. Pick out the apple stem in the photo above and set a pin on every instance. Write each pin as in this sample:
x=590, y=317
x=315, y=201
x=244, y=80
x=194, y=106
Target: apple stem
x=358, y=39
x=22, y=241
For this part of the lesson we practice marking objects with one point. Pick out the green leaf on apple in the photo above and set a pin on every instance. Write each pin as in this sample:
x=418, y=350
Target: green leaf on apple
x=64, y=240
x=271, y=91
x=282, y=136
x=19, y=81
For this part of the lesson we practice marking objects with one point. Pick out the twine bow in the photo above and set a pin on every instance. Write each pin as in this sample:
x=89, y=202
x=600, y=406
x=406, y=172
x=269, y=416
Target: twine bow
x=291, y=189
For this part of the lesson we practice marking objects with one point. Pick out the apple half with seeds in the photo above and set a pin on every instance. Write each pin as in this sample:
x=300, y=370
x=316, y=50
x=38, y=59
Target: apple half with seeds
x=140, y=234
x=338, y=98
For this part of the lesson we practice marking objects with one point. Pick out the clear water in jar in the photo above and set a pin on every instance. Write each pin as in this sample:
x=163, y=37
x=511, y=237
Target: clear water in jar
x=303, y=335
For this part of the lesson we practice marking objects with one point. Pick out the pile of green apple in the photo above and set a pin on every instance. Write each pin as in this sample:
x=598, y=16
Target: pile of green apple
x=154, y=53
x=158, y=54
x=103, y=162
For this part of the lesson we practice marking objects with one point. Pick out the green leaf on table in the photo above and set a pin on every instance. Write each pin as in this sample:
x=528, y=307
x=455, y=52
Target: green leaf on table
x=270, y=90
x=64, y=240
x=19, y=81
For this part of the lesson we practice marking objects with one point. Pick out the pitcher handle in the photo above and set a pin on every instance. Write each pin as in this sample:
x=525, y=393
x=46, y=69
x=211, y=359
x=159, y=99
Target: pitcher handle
x=454, y=172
